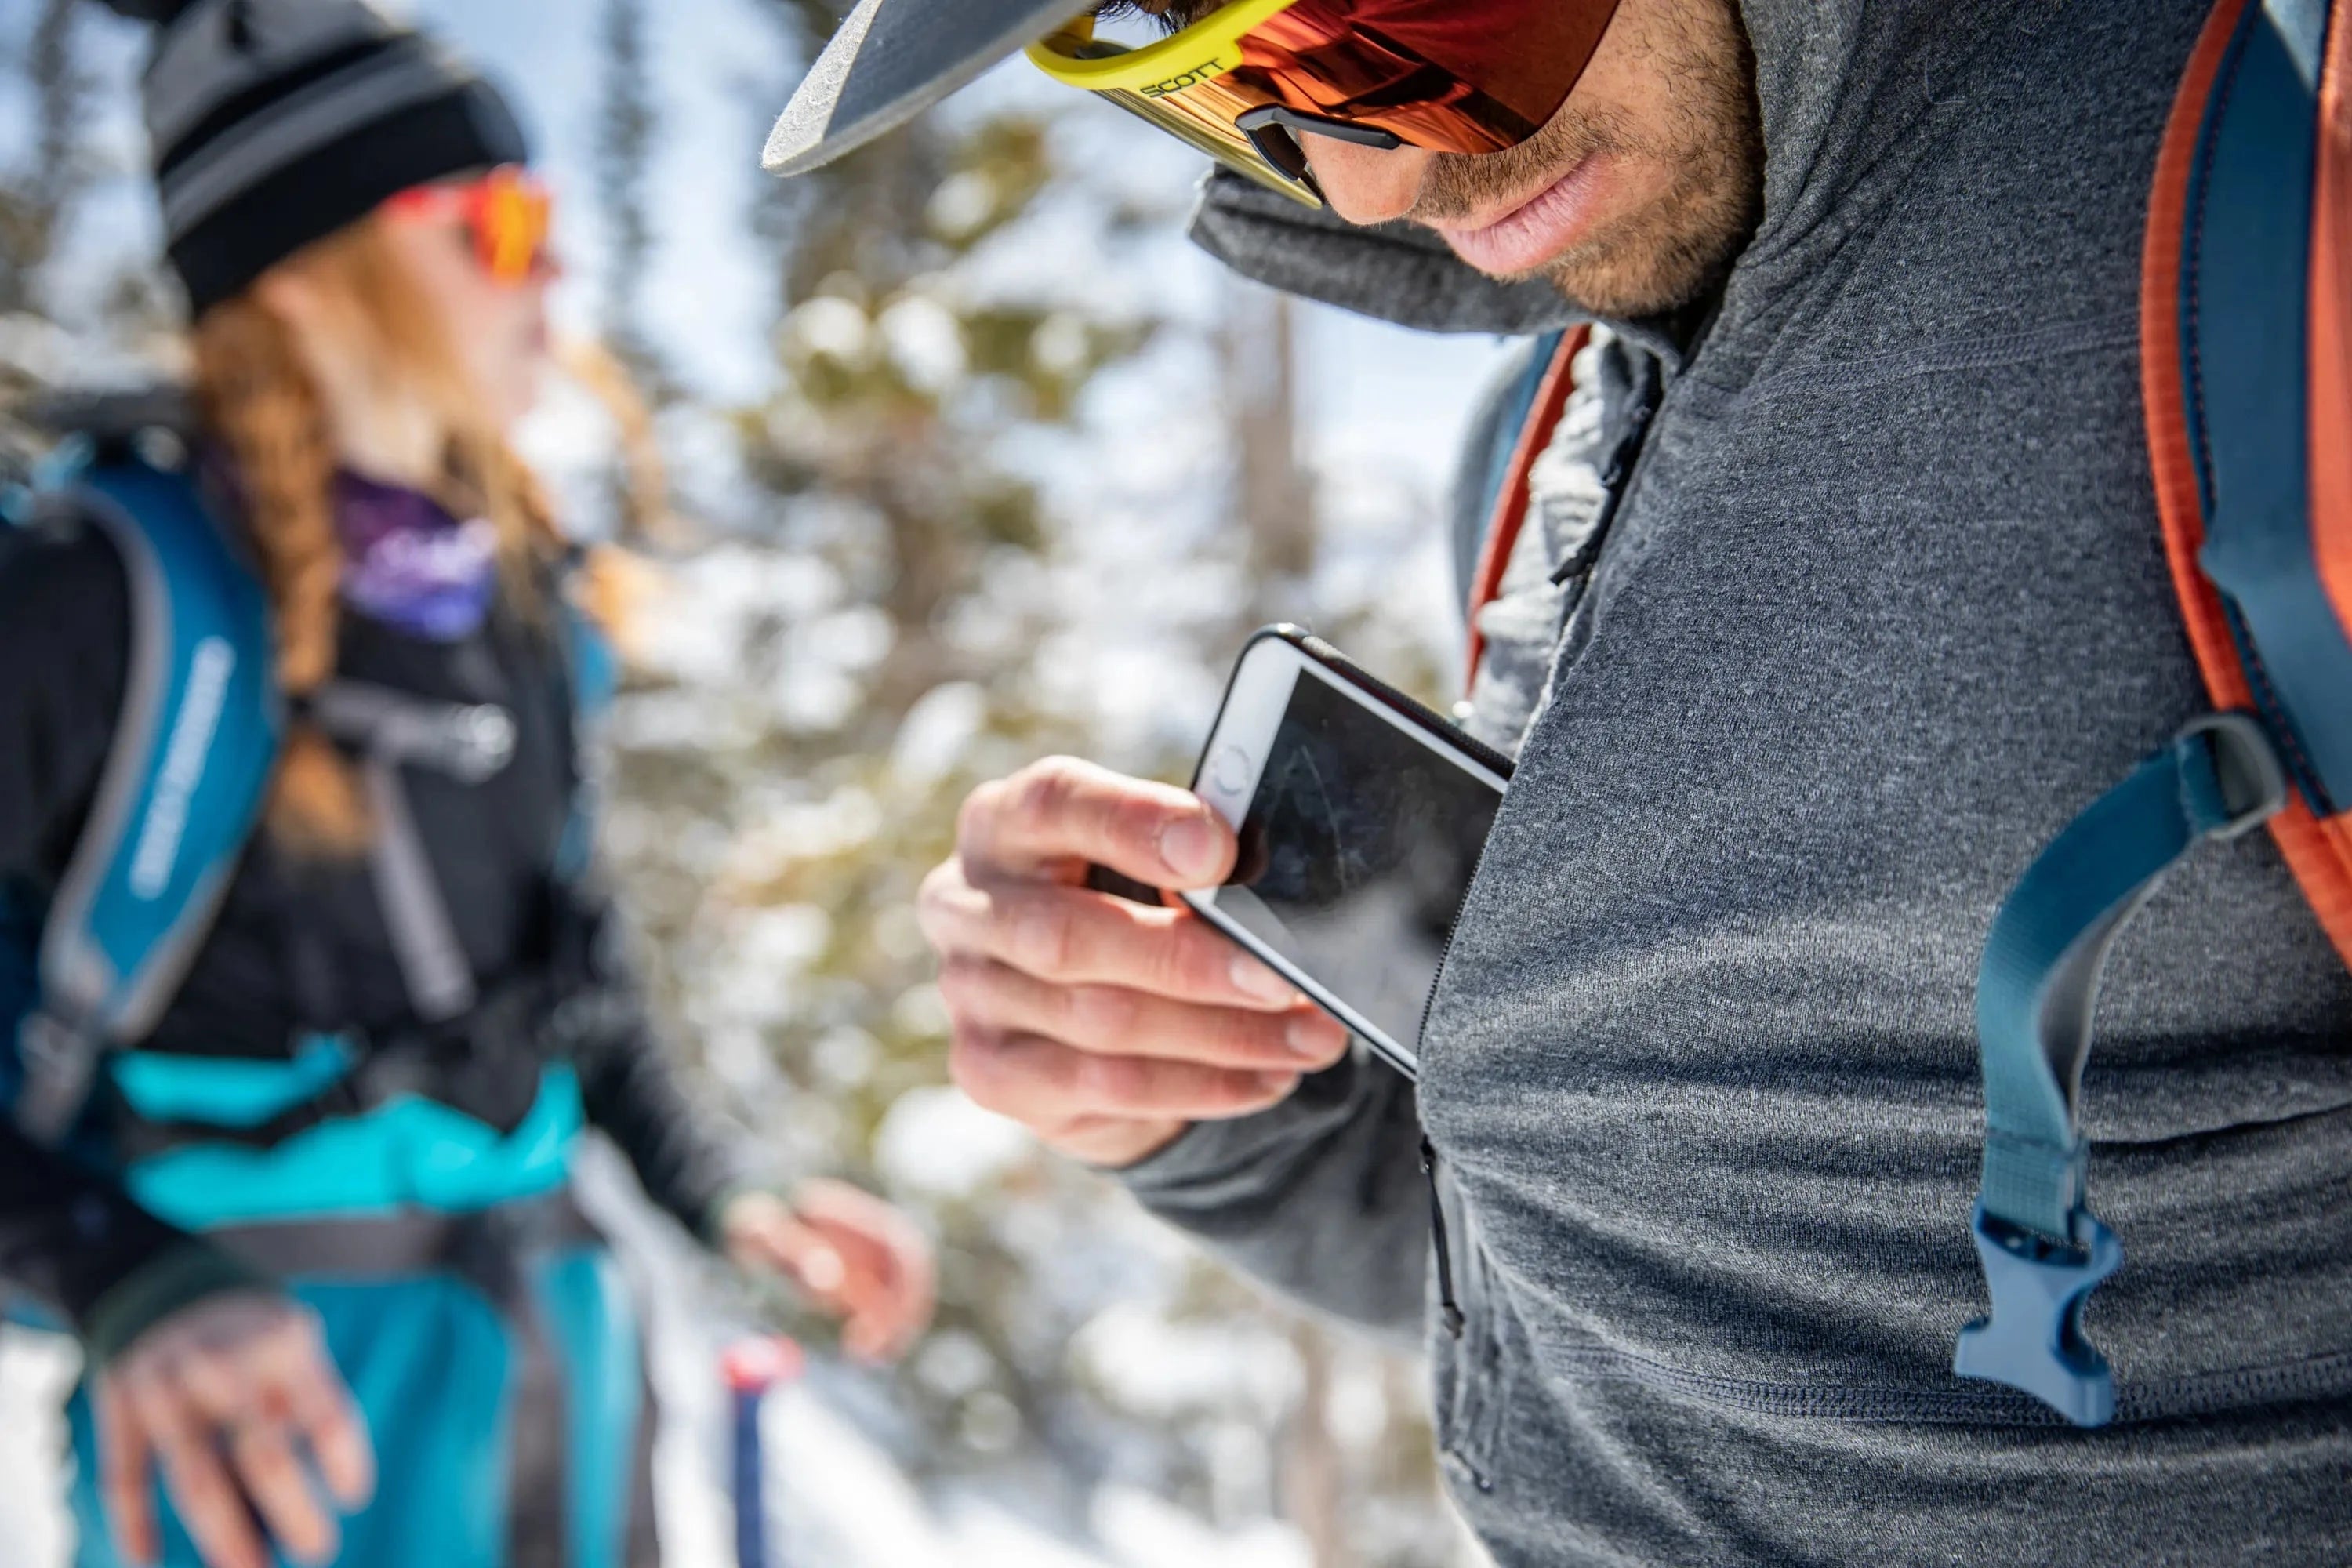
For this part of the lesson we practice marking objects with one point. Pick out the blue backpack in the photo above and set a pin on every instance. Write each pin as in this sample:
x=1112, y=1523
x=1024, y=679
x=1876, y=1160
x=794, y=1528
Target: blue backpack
x=180, y=793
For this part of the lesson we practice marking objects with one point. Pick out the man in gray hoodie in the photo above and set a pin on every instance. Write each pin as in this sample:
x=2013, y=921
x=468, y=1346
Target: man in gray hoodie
x=1841, y=591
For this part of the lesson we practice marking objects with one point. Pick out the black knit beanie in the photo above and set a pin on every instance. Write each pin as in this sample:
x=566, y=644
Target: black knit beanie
x=276, y=122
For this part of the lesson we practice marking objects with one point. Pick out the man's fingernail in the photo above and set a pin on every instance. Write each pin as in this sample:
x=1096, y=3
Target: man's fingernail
x=1278, y=1083
x=1188, y=849
x=1261, y=982
x=1314, y=1036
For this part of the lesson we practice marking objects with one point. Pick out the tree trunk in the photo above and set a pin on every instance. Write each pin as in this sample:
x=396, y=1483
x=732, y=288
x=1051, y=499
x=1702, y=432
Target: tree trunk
x=1274, y=495
x=1312, y=1475
x=33, y=211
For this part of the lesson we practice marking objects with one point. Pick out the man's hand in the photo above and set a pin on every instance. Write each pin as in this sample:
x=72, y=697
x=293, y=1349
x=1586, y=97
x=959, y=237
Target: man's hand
x=856, y=1256
x=235, y=1398
x=1105, y=1026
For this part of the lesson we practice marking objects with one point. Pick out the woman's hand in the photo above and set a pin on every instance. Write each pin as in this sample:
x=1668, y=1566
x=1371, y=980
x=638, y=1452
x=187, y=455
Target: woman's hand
x=856, y=1257
x=230, y=1396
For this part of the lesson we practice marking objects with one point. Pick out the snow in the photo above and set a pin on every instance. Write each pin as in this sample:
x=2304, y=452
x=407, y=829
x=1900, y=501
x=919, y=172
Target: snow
x=935, y=1140
x=1150, y=1364
x=37, y=1372
x=1148, y=1532
x=932, y=736
x=925, y=343
x=730, y=588
x=790, y=831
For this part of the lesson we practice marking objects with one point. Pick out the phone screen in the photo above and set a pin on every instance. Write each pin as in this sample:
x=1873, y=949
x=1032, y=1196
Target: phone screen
x=1356, y=852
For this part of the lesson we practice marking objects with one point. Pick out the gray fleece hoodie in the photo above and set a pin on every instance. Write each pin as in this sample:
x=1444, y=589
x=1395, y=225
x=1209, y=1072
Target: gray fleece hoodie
x=1882, y=607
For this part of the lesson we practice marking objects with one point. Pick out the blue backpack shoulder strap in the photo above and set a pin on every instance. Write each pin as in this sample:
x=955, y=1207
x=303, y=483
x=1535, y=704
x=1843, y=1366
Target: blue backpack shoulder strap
x=2236, y=345
x=182, y=787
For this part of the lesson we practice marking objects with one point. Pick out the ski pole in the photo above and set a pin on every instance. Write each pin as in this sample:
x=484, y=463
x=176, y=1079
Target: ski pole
x=751, y=1367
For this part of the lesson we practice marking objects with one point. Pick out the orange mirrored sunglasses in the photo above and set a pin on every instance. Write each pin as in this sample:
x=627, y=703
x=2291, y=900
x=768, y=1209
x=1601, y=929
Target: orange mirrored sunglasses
x=508, y=212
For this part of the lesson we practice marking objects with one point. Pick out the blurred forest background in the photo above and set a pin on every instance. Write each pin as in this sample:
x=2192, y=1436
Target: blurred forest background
x=969, y=459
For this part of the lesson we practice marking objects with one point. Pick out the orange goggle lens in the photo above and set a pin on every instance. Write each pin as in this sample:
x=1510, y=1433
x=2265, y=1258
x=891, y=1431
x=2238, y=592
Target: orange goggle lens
x=1449, y=75
x=508, y=211
x=1454, y=75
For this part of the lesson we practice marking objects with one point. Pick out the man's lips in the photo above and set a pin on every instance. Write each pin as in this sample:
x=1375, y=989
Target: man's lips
x=1537, y=230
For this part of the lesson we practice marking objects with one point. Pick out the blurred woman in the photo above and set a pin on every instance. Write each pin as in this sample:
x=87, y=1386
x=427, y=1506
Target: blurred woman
x=310, y=1219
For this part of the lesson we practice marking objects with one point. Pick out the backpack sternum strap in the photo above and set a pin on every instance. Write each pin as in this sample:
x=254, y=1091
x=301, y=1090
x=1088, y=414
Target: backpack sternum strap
x=2041, y=1248
x=467, y=741
x=2245, y=337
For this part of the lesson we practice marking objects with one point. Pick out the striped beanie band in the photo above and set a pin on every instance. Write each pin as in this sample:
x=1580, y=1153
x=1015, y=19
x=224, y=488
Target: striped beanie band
x=276, y=122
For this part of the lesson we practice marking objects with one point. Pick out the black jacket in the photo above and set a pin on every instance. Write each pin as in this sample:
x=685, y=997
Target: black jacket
x=300, y=947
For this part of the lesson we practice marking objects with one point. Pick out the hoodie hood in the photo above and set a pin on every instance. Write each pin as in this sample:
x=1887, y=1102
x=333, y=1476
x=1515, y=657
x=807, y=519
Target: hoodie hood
x=1837, y=84
x=1399, y=272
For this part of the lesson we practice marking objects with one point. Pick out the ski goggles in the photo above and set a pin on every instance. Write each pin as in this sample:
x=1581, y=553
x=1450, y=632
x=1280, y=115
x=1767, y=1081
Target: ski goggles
x=507, y=214
x=1242, y=83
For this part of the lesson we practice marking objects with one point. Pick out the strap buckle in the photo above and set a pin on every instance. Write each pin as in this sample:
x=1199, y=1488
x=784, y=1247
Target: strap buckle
x=476, y=743
x=2033, y=1340
x=59, y=1063
x=467, y=742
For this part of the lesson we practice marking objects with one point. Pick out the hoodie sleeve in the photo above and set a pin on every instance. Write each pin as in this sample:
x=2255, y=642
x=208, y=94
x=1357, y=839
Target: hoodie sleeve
x=1321, y=1197
x=70, y=1237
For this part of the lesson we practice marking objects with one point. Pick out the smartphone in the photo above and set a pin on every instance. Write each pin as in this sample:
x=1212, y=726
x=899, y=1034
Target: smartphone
x=1361, y=815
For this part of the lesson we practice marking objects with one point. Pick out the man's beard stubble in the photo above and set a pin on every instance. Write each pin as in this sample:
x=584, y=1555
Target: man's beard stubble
x=1680, y=242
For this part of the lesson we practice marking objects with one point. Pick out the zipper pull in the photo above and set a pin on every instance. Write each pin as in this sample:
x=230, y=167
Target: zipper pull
x=1614, y=477
x=1448, y=1308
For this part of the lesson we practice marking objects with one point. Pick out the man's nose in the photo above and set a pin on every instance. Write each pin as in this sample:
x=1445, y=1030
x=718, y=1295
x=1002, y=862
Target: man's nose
x=1366, y=184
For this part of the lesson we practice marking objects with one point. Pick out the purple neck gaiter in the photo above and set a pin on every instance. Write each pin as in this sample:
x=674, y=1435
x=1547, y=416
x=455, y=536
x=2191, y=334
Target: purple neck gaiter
x=411, y=564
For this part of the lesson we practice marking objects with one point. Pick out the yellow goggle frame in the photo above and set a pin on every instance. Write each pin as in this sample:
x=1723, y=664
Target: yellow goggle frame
x=1172, y=83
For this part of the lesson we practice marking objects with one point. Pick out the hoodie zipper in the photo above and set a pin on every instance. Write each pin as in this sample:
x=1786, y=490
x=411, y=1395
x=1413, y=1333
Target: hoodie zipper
x=1623, y=467
x=1448, y=1308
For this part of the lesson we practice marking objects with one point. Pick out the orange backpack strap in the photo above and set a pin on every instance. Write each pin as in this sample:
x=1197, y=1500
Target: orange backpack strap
x=1509, y=508
x=2331, y=431
x=2246, y=353
x=2245, y=301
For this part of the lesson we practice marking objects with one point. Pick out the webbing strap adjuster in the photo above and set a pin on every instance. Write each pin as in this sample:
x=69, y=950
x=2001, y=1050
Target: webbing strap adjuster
x=2250, y=783
x=59, y=1062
